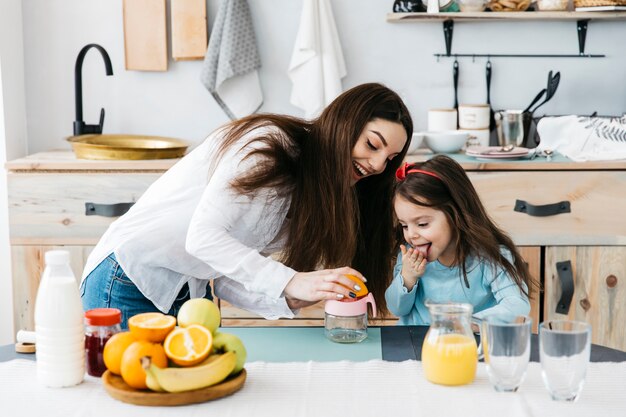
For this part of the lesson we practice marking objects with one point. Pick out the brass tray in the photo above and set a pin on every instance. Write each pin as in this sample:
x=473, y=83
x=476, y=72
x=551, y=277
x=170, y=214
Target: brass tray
x=127, y=147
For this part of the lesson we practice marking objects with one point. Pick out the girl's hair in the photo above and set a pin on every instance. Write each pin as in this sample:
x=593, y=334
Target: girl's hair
x=332, y=223
x=473, y=231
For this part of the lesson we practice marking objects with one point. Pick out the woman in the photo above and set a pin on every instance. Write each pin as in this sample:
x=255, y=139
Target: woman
x=319, y=191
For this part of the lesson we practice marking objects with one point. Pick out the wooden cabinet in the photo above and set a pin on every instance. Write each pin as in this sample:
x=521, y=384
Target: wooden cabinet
x=47, y=196
x=48, y=192
x=599, y=297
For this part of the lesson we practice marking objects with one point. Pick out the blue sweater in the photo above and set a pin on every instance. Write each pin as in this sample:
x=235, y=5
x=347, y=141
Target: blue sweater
x=491, y=291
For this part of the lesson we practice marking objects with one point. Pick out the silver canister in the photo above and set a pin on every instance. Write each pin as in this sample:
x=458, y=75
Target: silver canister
x=510, y=127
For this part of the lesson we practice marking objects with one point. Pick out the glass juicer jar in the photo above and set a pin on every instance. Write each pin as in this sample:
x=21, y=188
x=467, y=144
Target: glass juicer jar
x=346, y=321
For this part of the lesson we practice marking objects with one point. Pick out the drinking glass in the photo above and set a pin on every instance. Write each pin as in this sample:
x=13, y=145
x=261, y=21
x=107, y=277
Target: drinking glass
x=506, y=347
x=564, y=350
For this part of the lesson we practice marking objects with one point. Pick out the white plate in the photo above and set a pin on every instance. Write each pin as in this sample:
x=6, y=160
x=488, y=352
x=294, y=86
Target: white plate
x=494, y=152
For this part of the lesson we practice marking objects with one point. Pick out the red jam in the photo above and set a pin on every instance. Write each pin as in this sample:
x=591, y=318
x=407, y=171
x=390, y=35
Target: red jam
x=100, y=325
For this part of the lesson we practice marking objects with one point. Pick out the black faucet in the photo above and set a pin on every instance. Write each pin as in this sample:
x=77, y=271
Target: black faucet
x=79, y=126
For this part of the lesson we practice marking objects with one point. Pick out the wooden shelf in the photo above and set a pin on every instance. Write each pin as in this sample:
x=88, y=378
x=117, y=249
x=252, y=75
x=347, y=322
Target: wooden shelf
x=523, y=16
x=448, y=19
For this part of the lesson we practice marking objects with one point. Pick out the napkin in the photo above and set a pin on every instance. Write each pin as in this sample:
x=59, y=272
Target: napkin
x=584, y=138
x=230, y=68
x=317, y=64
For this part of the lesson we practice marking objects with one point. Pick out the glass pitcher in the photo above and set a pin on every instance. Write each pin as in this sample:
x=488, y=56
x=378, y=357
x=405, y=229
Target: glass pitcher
x=449, y=352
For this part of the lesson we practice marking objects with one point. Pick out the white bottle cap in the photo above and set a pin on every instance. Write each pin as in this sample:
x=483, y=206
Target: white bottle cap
x=57, y=257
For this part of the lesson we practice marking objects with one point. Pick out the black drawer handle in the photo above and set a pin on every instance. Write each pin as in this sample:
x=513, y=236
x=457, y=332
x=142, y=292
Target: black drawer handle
x=107, y=210
x=542, y=211
x=566, y=276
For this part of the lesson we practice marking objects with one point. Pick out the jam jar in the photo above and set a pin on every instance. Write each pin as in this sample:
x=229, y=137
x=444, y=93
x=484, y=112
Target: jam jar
x=100, y=325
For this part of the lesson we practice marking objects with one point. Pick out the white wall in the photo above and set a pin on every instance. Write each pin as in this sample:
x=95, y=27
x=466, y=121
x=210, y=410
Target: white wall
x=174, y=103
x=13, y=141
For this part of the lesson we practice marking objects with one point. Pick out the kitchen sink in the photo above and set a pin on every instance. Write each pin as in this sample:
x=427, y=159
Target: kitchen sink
x=121, y=146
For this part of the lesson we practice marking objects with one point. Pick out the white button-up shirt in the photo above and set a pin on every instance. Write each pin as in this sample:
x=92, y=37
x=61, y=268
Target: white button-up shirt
x=190, y=226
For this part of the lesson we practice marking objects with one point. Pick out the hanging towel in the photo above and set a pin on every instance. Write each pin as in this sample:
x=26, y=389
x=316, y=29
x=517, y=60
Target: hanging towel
x=583, y=138
x=317, y=65
x=230, y=69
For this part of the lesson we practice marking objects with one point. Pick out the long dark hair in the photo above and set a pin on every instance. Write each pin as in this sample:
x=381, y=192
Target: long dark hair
x=473, y=231
x=332, y=223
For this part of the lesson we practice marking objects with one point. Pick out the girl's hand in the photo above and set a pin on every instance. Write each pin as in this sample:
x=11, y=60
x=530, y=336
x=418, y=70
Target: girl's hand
x=413, y=266
x=327, y=284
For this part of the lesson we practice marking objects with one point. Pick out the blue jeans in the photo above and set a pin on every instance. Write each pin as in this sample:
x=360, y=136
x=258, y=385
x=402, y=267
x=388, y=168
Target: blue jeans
x=108, y=286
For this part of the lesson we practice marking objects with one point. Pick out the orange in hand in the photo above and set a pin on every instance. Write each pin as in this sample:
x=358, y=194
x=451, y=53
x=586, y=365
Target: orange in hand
x=153, y=327
x=360, y=293
x=187, y=346
x=131, y=369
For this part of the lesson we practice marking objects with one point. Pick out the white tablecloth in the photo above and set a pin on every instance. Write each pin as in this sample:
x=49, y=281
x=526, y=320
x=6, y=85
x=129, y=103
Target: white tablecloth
x=374, y=388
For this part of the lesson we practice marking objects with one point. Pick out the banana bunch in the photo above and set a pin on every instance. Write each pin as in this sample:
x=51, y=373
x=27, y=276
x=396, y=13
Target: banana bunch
x=210, y=372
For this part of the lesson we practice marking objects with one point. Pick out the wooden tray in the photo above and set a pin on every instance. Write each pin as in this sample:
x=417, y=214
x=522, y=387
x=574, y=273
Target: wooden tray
x=118, y=389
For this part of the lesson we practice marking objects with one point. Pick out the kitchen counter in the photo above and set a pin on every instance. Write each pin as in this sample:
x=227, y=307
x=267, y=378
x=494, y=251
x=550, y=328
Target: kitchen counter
x=63, y=160
x=302, y=344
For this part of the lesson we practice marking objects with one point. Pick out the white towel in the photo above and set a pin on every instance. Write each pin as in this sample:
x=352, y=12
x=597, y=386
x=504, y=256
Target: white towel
x=230, y=69
x=317, y=65
x=584, y=138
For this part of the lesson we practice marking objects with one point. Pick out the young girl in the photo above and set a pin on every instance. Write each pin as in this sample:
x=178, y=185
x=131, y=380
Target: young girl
x=454, y=252
x=319, y=192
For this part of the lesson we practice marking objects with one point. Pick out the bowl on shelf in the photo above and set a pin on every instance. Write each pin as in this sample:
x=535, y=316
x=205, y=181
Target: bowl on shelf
x=552, y=5
x=416, y=142
x=472, y=5
x=446, y=142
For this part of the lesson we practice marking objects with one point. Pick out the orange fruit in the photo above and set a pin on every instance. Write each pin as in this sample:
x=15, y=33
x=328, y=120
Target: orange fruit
x=114, y=349
x=363, y=291
x=131, y=370
x=187, y=346
x=153, y=327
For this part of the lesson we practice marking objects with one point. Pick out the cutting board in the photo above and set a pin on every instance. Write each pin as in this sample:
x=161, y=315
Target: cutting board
x=145, y=35
x=115, y=386
x=189, y=29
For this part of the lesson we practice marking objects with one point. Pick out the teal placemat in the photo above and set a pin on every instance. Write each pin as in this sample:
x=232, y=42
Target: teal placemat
x=302, y=344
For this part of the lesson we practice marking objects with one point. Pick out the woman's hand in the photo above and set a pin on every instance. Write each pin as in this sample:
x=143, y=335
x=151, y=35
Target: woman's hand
x=413, y=266
x=327, y=284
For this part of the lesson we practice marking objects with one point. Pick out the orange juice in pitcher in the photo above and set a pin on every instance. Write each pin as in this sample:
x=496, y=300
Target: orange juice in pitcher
x=449, y=352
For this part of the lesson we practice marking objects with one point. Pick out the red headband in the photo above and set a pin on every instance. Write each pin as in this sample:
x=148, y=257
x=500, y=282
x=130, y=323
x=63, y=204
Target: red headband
x=402, y=172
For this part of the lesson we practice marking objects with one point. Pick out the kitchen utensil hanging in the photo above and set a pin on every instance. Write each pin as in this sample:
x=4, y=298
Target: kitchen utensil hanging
x=455, y=77
x=492, y=121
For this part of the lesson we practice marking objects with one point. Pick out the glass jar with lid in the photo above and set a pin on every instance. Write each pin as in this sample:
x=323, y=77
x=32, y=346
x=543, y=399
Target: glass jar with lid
x=100, y=325
x=345, y=321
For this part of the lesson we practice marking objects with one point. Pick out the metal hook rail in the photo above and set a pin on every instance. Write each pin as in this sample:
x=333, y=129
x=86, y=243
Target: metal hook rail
x=581, y=29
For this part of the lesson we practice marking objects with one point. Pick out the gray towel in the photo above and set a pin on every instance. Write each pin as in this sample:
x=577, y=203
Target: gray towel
x=230, y=67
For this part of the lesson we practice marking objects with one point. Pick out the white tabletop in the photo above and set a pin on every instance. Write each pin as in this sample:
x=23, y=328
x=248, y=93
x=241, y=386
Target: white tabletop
x=373, y=388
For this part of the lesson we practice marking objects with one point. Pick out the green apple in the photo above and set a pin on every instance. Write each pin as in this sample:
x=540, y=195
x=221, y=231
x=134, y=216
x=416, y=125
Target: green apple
x=226, y=342
x=199, y=311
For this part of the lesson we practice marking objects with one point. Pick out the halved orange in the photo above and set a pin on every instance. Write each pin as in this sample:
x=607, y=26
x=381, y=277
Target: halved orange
x=187, y=346
x=363, y=291
x=153, y=327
